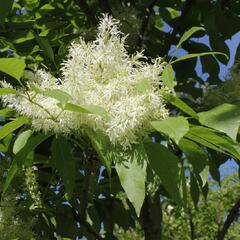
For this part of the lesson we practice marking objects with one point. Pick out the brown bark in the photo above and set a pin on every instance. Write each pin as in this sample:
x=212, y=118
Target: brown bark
x=232, y=215
x=152, y=217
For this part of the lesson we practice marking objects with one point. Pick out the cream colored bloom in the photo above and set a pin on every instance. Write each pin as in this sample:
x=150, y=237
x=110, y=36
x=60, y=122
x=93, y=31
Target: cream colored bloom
x=99, y=73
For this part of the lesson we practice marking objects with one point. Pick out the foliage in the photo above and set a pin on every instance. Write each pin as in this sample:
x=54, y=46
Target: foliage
x=101, y=170
x=208, y=217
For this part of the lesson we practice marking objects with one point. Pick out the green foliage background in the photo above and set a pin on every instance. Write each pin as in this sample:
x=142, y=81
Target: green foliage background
x=79, y=196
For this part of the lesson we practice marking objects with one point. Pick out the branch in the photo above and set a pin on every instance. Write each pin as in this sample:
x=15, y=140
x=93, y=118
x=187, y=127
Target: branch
x=84, y=197
x=191, y=224
x=233, y=213
x=144, y=25
x=86, y=225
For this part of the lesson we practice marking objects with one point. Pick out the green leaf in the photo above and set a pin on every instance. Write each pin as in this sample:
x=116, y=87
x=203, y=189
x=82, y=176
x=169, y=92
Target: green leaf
x=32, y=143
x=5, y=8
x=5, y=91
x=91, y=109
x=194, y=189
x=102, y=145
x=188, y=34
x=5, y=112
x=13, y=67
x=21, y=140
x=131, y=169
x=143, y=85
x=46, y=47
x=174, y=127
x=57, y=94
x=47, y=7
x=176, y=101
x=21, y=157
x=213, y=140
x=193, y=55
x=168, y=76
x=97, y=110
x=166, y=165
x=224, y=118
x=63, y=160
x=11, y=173
x=12, y=126
x=194, y=153
x=204, y=175
x=23, y=37
x=35, y=88
x=75, y=108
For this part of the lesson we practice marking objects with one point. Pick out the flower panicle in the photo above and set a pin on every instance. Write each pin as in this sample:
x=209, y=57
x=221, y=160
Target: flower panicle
x=99, y=73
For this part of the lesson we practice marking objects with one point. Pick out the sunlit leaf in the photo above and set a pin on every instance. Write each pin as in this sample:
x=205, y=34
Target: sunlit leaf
x=188, y=34
x=90, y=109
x=194, y=55
x=168, y=76
x=57, y=94
x=13, y=67
x=21, y=140
x=131, y=170
x=174, y=127
x=224, y=118
x=5, y=112
x=12, y=126
x=176, y=101
x=213, y=140
x=5, y=91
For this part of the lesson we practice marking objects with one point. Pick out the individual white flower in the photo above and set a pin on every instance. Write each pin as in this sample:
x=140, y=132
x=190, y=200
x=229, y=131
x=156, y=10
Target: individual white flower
x=99, y=73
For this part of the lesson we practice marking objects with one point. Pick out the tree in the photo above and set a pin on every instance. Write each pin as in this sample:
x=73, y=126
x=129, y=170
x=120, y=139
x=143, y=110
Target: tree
x=88, y=174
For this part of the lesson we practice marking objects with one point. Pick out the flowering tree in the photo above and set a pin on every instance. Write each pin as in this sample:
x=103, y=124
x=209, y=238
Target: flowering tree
x=98, y=133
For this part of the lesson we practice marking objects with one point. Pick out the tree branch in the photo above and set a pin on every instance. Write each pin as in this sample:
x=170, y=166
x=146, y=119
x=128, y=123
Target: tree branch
x=147, y=14
x=233, y=213
x=84, y=195
x=191, y=224
x=86, y=225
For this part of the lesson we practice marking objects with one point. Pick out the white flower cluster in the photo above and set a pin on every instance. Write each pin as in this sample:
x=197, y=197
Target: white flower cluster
x=99, y=73
x=32, y=187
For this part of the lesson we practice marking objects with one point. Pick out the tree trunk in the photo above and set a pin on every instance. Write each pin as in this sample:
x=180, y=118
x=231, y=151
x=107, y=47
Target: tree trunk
x=152, y=217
